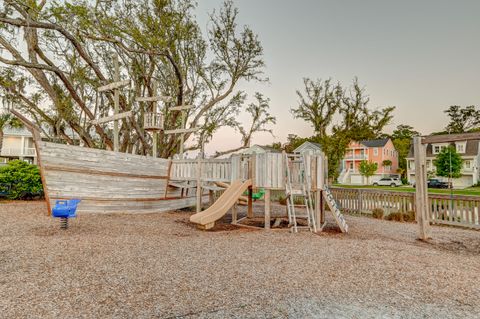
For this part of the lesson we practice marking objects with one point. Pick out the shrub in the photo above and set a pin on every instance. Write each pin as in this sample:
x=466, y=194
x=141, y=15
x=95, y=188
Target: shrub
x=378, y=213
x=23, y=179
x=409, y=216
x=402, y=217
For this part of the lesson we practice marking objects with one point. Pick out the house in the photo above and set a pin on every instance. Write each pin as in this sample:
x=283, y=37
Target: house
x=467, y=145
x=17, y=144
x=309, y=148
x=259, y=149
x=380, y=151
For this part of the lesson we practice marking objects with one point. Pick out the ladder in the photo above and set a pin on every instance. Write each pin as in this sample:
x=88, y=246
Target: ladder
x=298, y=183
x=337, y=214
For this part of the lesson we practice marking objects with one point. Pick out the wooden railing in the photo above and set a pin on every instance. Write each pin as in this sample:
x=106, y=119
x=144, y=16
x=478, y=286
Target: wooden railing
x=212, y=170
x=266, y=170
x=444, y=209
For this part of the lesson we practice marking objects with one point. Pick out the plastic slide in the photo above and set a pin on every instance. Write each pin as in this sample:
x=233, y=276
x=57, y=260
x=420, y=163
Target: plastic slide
x=207, y=218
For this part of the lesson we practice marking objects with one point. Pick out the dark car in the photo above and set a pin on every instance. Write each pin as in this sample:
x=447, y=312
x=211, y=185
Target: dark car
x=435, y=183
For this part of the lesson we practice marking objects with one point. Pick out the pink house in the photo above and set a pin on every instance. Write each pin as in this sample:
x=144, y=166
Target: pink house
x=380, y=151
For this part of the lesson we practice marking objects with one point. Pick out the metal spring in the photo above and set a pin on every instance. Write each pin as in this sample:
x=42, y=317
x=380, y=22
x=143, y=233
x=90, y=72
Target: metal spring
x=63, y=223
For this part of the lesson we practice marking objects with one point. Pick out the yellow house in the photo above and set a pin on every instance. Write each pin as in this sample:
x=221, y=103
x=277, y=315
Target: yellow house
x=17, y=144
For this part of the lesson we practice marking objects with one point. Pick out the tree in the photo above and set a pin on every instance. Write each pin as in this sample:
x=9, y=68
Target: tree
x=68, y=55
x=448, y=163
x=367, y=169
x=260, y=120
x=402, y=140
x=462, y=119
x=318, y=104
x=323, y=102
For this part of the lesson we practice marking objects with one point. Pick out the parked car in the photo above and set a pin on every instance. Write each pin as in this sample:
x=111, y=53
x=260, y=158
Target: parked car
x=388, y=181
x=436, y=183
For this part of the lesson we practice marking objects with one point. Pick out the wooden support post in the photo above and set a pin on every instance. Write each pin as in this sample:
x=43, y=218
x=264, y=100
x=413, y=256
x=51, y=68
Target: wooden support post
x=199, y=185
x=318, y=209
x=250, y=202
x=421, y=191
x=251, y=175
x=234, y=214
x=211, y=197
x=116, y=101
x=155, y=133
x=182, y=135
x=267, y=208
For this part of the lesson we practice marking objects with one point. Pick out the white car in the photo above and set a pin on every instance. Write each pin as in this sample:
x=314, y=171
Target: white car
x=388, y=181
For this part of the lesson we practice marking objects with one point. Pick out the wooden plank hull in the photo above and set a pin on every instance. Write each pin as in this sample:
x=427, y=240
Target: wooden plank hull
x=108, y=182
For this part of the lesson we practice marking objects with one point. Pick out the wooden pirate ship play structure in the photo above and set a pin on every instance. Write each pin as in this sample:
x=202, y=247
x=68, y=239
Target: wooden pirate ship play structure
x=106, y=181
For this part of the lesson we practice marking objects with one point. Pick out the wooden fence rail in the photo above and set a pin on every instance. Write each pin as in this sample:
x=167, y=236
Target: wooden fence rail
x=444, y=209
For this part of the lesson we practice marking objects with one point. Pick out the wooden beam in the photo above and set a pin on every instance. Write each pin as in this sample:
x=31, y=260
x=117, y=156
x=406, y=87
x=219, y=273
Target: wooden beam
x=113, y=86
x=116, y=102
x=180, y=108
x=421, y=190
x=112, y=117
x=267, y=209
x=199, y=185
x=181, y=131
x=250, y=202
x=154, y=98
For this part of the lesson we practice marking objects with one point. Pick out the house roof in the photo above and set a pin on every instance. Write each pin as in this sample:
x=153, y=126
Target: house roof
x=375, y=143
x=263, y=147
x=306, y=144
x=11, y=131
x=471, y=149
x=445, y=138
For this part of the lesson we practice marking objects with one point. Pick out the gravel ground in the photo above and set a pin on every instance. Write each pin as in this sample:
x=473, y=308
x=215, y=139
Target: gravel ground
x=158, y=265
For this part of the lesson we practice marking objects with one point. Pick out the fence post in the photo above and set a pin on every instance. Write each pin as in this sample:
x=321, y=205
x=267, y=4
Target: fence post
x=360, y=201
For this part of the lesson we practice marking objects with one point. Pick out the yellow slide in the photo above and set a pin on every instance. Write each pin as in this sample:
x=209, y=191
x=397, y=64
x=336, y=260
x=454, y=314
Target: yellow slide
x=207, y=218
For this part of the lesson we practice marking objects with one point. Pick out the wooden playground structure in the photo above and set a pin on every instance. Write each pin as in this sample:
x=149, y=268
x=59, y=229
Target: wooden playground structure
x=295, y=174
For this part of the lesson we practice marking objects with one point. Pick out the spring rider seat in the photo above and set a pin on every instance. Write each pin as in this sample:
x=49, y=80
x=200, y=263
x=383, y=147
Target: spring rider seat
x=65, y=209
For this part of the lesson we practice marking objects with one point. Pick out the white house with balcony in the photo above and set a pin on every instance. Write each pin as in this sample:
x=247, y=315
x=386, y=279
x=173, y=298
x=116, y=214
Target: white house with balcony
x=467, y=145
x=17, y=144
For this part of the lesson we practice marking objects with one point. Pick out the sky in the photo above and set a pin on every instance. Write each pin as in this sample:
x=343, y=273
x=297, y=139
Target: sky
x=419, y=56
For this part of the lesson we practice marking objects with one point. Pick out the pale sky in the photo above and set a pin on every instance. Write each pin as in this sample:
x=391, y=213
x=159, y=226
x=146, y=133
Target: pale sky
x=420, y=56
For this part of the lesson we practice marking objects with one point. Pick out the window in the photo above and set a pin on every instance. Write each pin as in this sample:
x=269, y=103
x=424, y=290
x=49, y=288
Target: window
x=375, y=151
x=436, y=149
x=351, y=165
x=468, y=164
x=461, y=147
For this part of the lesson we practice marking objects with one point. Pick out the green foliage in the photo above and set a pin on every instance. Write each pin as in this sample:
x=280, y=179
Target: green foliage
x=322, y=101
x=401, y=217
x=463, y=119
x=448, y=163
x=402, y=139
x=378, y=213
x=387, y=163
x=367, y=168
x=23, y=178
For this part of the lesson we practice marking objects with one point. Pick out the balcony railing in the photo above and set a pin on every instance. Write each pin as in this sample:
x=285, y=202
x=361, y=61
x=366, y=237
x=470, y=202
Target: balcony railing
x=18, y=152
x=356, y=157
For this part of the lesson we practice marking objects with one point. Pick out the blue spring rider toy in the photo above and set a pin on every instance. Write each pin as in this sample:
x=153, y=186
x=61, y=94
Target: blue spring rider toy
x=65, y=209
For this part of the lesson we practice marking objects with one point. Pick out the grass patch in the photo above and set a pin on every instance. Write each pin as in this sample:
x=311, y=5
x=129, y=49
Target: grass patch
x=471, y=191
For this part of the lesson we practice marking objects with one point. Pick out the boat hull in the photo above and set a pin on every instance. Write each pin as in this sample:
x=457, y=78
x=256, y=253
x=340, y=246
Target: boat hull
x=108, y=182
